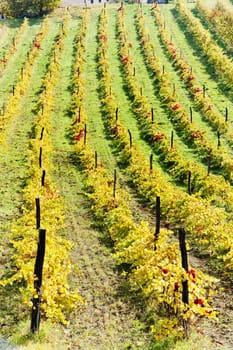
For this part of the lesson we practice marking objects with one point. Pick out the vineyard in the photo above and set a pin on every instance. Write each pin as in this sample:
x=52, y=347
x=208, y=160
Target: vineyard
x=116, y=173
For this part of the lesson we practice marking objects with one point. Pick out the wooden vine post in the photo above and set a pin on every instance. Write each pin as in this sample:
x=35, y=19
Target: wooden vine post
x=130, y=139
x=38, y=270
x=158, y=219
x=79, y=114
x=151, y=162
x=174, y=89
x=96, y=159
x=208, y=164
x=3, y=109
x=37, y=213
x=117, y=110
x=42, y=134
x=40, y=157
x=43, y=178
x=191, y=114
x=184, y=260
x=152, y=115
x=219, y=142
x=226, y=115
x=189, y=183
x=172, y=139
x=114, y=183
x=85, y=134
x=204, y=90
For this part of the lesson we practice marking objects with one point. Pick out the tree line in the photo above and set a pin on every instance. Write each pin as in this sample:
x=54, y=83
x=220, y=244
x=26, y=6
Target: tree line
x=29, y=8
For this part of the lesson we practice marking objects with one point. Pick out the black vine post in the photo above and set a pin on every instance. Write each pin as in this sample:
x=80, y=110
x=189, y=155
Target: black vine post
x=134, y=71
x=13, y=90
x=40, y=157
x=85, y=134
x=22, y=72
x=208, y=164
x=151, y=162
x=117, y=114
x=163, y=69
x=38, y=271
x=3, y=109
x=152, y=115
x=226, y=115
x=158, y=218
x=189, y=182
x=42, y=133
x=204, y=90
x=13, y=42
x=141, y=91
x=172, y=139
x=37, y=213
x=130, y=138
x=114, y=183
x=191, y=114
x=43, y=178
x=54, y=57
x=174, y=89
x=219, y=142
x=184, y=259
x=96, y=159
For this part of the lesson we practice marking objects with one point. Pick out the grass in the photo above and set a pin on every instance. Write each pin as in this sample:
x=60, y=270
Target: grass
x=95, y=125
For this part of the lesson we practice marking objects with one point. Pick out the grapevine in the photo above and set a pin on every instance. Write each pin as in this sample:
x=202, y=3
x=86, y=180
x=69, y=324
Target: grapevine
x=57, y=300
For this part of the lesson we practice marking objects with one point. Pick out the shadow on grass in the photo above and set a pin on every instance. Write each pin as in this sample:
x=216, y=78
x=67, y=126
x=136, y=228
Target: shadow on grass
x=216, y=36
x=210, y=69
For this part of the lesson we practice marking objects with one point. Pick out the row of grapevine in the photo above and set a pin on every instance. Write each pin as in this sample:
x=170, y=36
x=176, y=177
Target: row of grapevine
x=179, y=168
x=146, y=254
x=23, y=81
x=215, y=55
x=220, y=21
x=8, y=53
x=134, y=243
x=57, y=301
x=209, y=226
x=201, y=100
x=179, y=116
